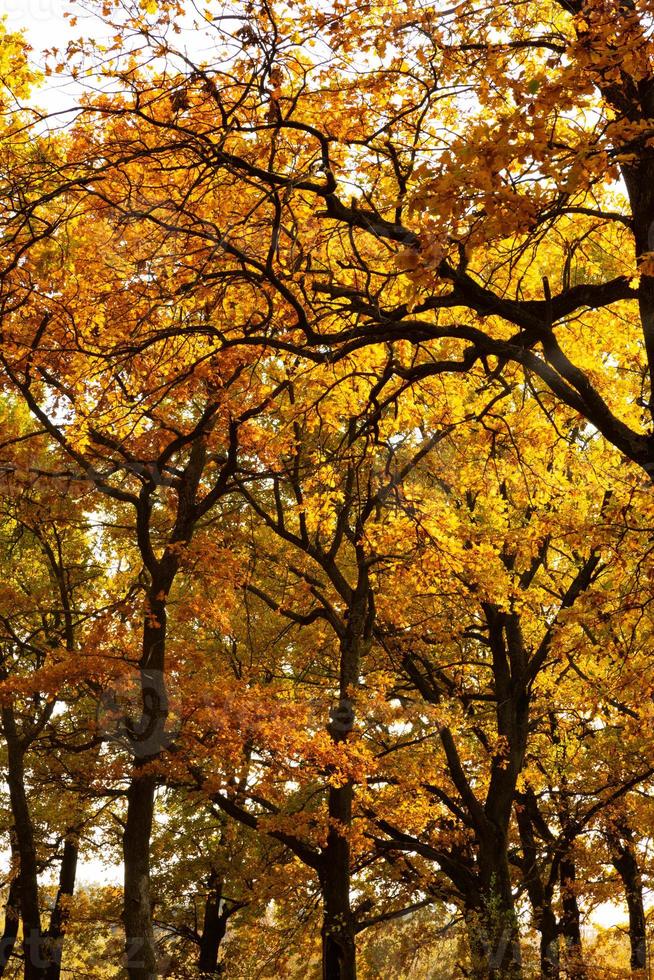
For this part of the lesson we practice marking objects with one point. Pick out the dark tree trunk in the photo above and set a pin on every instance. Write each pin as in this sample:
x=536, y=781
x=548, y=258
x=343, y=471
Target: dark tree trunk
x=476, y=946
x=148, y=736
x=570, y=921
x=140, y=950
x=338, y=930
x=147, y=739
x=540, y=895
x=338, y=942
x=499, y=922
x=493, y=944
x=500, y=937
x=59, y=916
x=623, y=858
x=548, y=928
x=548, y=932
x=12, y=918
x=213, y=929
x=492, y=924
x=28, y=882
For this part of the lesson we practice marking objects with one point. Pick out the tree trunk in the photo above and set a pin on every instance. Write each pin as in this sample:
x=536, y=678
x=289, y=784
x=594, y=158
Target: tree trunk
x=28, y=887
x=140, y=950
x=499, y=935
x=550, y=967
x=213, y=929
x=570, y=921
x=338, y=931
x=623, y=858
x=60, y=912
x=147, y=738
x=338, y=943
x=476, y=945
x=540, y=895
x=492, y=941
x=12, y=918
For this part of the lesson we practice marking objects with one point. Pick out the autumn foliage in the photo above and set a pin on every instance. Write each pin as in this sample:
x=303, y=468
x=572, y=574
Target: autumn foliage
x=326, y=461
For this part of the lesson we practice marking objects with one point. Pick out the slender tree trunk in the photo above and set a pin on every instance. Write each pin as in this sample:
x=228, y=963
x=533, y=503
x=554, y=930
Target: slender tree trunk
x=148, y=738
x=213, y=929
x=570, y=922
x=548, y=931
x=147, y=741
x=12, y=918
x=338, y=931
x=338, y=942
x=60, y=912
x=28, y=887
x=140, y=950
x=502, y=939
x=623, y=858
x=540, y=897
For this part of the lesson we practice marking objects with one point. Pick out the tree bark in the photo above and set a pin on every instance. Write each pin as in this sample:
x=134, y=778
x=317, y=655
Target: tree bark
x=550, y=966
x=28, y=887
x=60, y=912
x=213, y=929
x=338, y=942
x=148, y=736
x=570, y=921
x=476, y=946
x=12, y=918
x=623, y=858
x=540, y=897
x=492, y=923
x=140, y=950
x=500, y=937
x=338, y=930
x=147, y=739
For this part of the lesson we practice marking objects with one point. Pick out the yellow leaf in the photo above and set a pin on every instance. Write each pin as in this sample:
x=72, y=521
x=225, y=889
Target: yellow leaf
x=407, y=259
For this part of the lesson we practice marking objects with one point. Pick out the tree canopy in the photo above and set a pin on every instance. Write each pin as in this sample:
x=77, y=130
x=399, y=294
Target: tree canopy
x=326, y=461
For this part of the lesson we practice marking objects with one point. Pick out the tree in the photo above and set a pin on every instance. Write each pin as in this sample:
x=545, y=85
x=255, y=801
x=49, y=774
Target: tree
x=46, y=610
x=162, y=459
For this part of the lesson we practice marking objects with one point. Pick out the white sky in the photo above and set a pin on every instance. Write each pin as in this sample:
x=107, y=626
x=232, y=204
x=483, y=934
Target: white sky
x=41, y=20
x=45, y=27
